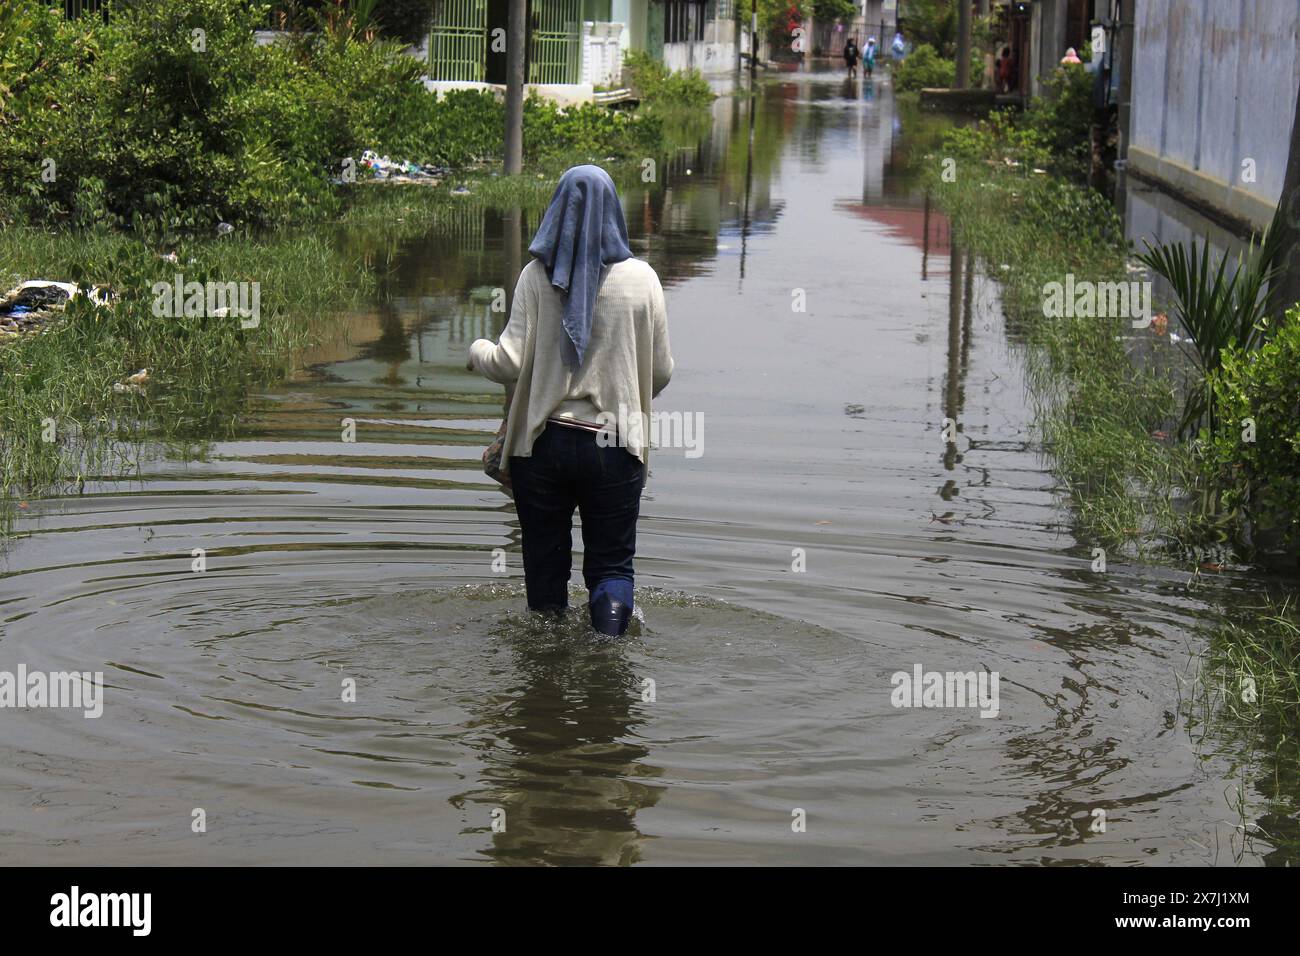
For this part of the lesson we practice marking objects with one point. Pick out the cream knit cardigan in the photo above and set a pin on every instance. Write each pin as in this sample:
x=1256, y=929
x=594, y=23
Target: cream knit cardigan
x=627, y=362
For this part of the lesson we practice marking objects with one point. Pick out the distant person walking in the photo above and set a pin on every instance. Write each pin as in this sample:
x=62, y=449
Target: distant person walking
x=586, y=344
x=869, y=57
x=851, y=56
x=899, y=48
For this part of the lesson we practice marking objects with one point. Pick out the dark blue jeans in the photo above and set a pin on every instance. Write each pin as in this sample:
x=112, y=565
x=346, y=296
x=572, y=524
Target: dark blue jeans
x=567, y=470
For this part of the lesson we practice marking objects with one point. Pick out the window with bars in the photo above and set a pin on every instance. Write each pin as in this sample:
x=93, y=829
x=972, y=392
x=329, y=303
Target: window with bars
x=554, y=42
x=683, y=21
x=457, y=41
x=73, y=9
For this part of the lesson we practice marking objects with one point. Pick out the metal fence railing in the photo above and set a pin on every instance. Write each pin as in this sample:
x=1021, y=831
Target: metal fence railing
x=458, y=41
x=555, y=46
x=74, y=9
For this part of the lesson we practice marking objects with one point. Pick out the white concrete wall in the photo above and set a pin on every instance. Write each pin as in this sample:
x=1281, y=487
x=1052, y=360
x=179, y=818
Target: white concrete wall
x=602, y=53
x=716, y=54
x=562, y=94
x=1214, y=84
x=705, y=57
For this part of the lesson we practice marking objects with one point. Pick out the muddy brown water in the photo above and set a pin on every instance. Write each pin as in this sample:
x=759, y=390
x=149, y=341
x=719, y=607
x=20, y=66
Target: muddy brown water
x=827, y=538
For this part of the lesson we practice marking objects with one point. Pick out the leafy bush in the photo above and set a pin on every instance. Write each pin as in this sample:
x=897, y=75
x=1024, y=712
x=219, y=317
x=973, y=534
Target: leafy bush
x=1063, y=115
x=923, y=68
x=1261, y=473
x=586, y=131
x=998, y=139
x=1053, y=133
x=143, y=120
x=660, y=87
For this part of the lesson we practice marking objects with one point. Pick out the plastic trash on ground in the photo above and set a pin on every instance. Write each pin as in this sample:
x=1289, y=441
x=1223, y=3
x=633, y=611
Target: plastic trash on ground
x=385, y=168
x=33, y=303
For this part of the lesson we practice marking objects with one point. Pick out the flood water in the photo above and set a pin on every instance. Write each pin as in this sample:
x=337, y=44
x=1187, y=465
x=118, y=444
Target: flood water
x=826, y=538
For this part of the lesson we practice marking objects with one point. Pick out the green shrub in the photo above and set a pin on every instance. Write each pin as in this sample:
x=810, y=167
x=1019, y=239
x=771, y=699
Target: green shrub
x=998, y=139
x=660, y=87
x=145, y=119
x=923, y=68
x=587, y=131
x=1261, y=386
x=1062, y=117
x=1053, y=133
x=145, y=124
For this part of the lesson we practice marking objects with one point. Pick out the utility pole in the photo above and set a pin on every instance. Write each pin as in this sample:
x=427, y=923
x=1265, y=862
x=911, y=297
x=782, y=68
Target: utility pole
x=961, y=78
x=809, y=33
x=1124, y=44
x=739, y=31
x=515, y=40
x=753, y=41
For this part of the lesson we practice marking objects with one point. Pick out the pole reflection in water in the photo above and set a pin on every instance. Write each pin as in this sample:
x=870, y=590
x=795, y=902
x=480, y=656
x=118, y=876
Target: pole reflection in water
x=749, y=183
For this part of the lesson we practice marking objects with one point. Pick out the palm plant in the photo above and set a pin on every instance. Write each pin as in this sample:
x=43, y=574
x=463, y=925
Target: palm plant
x=1216, y=309
x=339, y=20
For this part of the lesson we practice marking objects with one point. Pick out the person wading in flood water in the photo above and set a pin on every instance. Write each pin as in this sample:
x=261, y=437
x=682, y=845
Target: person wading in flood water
x=586, y=343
